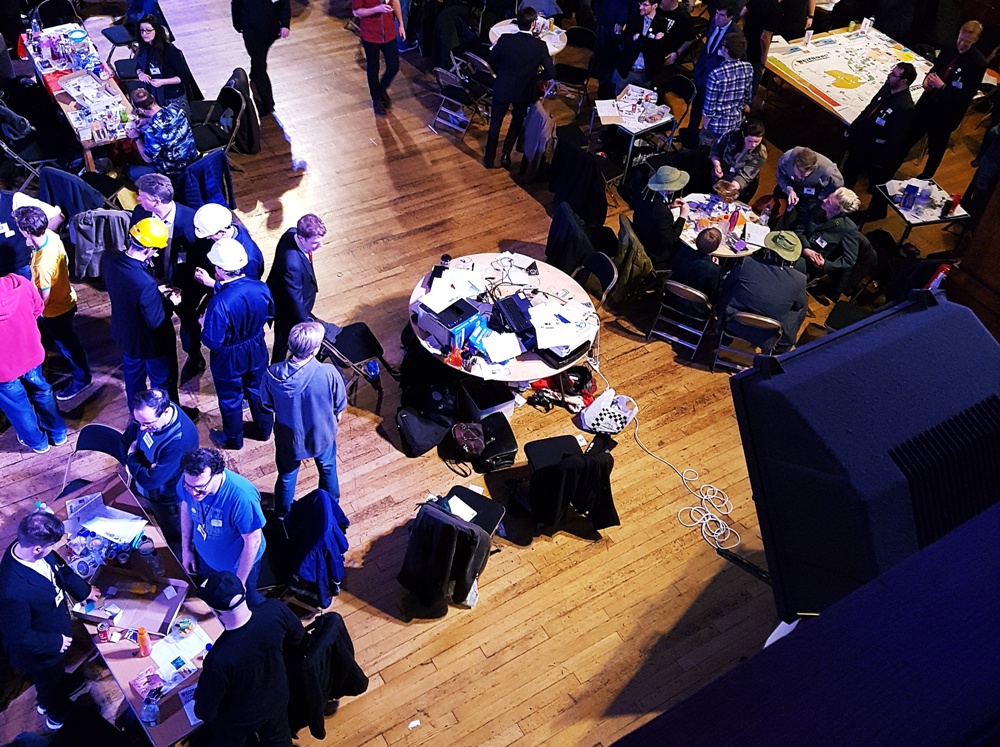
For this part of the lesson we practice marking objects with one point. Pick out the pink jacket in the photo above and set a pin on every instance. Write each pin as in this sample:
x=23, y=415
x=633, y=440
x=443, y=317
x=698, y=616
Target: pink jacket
x=20, y=307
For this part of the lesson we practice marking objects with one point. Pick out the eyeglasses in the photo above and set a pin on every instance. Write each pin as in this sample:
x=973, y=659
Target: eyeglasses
x=147, y=30
x=198, y=489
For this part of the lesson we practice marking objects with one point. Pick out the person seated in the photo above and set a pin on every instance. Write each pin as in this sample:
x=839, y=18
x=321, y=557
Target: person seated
x=831, y=246
x=698, y=269
x=162, y=136
x=767, y=283
x=806, y=178
x=737, y=158
x=653, y=221
x=644, y=47
x=160, y=66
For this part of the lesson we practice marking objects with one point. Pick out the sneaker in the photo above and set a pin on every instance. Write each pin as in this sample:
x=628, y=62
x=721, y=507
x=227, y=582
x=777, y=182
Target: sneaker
x=70, y=390
x=379, y=108
x=386, y=101
x=59, y=441
x=218, y=437
x=52, y=724
x=41, y=450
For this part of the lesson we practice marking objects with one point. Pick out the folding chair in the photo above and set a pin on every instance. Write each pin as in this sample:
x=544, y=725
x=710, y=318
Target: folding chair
x=685, y=89
x=119, y=37
x=217, y=131
x=734, y=330
x=483, y=76
x=55, y=13
x=569, y=78
x=601, y=268
x=456, y=101
x=95, y=437
x=352, y=348
x=684, y=315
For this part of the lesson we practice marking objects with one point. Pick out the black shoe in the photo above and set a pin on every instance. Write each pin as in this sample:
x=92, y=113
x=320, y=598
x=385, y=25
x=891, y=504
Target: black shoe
x=191, y=368
x=218, y=438
x=489, y=164
x=192, y=412
x=505, y=161
x=386, y=101
x=379, y=108
x=254, y=433
x=71, y=390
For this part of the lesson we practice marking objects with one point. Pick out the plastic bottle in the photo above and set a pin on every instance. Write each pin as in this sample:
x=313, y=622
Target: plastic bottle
x=766, y=215
x=42, y=506
x=36, y=29
x=150, y=713
x=145, y=644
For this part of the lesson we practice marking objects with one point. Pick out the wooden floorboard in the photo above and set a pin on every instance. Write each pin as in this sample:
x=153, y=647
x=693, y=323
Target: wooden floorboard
x=574, y=641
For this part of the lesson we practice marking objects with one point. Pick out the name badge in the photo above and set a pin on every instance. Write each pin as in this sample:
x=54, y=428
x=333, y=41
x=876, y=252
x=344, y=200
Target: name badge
x=154, y=70
x=880, y=121
x=821, y=242
x=957, y=84
x=202, y=532
x=147, y=439
x=216, y=523
x=809, y=190
x=5, y=230
x=182, y=257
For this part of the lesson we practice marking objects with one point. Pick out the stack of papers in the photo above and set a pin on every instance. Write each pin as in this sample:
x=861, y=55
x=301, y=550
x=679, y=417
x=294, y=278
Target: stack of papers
x=561, y=325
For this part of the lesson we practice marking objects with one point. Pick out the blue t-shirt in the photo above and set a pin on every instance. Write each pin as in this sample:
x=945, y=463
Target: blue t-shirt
x=220, y=520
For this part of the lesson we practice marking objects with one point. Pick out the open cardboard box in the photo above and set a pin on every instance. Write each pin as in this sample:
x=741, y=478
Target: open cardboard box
x=154, y=612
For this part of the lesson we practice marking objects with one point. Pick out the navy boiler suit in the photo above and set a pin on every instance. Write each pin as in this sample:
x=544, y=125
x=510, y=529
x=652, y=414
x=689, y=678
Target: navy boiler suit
x=234, y=332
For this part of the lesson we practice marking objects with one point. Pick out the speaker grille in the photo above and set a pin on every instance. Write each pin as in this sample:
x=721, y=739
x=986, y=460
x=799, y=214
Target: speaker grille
x=952, y=469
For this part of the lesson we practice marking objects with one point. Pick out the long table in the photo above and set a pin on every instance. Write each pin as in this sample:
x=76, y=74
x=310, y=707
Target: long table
x=843, y=70
x=122, y=658
x=54, y=73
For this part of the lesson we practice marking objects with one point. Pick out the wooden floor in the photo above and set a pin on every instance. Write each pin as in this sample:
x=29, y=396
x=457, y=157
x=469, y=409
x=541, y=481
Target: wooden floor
x=574, y=641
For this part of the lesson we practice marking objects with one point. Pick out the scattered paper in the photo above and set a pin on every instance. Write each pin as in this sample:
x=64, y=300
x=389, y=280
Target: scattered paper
x=440, y=297
x=415, y=723
x=461, y=509
x=500, y=346
x=464, y=282
x=755, y=234
x=169, y=592
x=187, y=698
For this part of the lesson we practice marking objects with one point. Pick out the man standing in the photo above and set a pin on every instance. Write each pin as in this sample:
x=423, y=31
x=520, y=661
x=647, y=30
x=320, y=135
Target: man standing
x=25, y=396
x=214, y=222
x=50, y=274
x=797, y=18
x=181, y=255
x=767, y=283
x=645, y=47
x=140, y=315
x=377, y=21
x=949, y=88
x=234, y=332
x=262, y=23
x=156, y=438
x=308, y=399
x=221, y=520
x=516, y=58
x=243, y=687
x=292, y=279
x=761, y=21
x=806, y=178
x=729, y=91
x=34, y=614
x=15, y=256
x=877, y=140
x=723, y=21
x=163, y=137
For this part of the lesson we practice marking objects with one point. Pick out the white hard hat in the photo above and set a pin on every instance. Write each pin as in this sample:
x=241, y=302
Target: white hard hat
x=228, y=255
x=210, y=219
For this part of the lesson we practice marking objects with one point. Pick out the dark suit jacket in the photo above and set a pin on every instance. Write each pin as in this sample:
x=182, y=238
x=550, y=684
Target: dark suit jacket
x=140, y=319
x=653, y=50
x=882, y=130
x=657, y=230
x=292, y=281
x=31, y=624
x=261, y=19
x=516, y=59
x=947, y=105
x=706, y=62
x=183, y=242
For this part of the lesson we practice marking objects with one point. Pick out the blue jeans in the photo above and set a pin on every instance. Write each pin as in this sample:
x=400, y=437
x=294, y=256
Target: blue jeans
x=230, y=390
x=288, y=473
x=30, y=406
x=161, y=372
x=59, y=331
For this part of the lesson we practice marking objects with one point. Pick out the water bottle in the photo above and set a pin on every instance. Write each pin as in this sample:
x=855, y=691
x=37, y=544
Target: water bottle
x=42, y=506
x=372, y=369
x=766, y=215
x=36, y=30
x=150, y=713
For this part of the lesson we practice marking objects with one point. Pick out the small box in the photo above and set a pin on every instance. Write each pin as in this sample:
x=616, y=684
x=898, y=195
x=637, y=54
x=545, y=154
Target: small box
x=484, y=398
x=451, y=326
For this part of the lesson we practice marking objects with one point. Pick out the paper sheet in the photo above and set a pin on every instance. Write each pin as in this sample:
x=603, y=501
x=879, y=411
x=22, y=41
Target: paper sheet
x=113, y=524
x=440, y=297
x=187, y=698
x=755, y=234
x=501, y=346
x=461, y=509
x=464, y=282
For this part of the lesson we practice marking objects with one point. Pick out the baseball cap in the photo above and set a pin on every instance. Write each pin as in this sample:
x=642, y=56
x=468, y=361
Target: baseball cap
x=221, y=589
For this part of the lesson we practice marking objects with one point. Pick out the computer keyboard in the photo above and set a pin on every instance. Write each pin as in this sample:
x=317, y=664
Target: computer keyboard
x=513, y=315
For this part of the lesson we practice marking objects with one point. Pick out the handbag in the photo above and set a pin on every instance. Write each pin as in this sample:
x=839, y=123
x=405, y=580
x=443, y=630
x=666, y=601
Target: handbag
x=469, y=438
x=610, y=413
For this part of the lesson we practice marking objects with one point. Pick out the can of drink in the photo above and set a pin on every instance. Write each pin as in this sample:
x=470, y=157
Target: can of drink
x=102, y=633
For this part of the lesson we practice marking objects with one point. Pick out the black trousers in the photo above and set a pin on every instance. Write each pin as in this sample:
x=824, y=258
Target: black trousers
x=188, y=311
x=258, y=47
x=52, y=686
x=514, y=132
x=861, y=160
x=389, y=50
x=938, y=126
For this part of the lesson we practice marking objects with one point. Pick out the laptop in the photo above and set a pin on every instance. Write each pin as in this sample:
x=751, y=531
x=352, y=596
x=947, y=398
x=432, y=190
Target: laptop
x=513, y=310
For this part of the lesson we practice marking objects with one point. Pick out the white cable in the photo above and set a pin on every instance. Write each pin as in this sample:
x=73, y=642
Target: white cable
x=713, y=502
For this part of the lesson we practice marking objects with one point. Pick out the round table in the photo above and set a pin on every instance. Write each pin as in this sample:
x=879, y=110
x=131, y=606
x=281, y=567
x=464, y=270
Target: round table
x=692, y=227
x=555, y=40
x=559, y=287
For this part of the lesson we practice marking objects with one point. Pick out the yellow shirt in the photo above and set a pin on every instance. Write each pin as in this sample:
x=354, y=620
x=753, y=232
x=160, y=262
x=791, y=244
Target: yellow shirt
x=50, y=271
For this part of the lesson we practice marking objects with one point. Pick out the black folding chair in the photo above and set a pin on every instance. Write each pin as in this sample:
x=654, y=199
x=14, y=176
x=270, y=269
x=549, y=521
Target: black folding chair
x=55, y=13
x=353, y=348
x=96, y=437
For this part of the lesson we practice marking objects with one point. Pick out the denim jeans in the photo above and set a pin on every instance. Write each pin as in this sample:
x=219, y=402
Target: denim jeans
x=59, y=331
x=161, y=372
x=288, y=473
x=390, y=51
x=30, y=406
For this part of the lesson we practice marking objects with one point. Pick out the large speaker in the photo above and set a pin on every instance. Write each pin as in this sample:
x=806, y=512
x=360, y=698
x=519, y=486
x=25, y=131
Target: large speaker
x=869, y=444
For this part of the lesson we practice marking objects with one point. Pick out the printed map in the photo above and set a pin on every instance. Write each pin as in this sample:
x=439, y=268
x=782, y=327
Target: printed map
x=843, y=71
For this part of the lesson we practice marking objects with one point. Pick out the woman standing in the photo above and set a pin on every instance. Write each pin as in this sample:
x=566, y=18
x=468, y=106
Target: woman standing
x=377, y=26
x=160, y=66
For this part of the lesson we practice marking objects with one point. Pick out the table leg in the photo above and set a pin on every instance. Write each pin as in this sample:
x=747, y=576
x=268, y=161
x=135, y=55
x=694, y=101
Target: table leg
x=88, y=159
x=906, y=234
x=628, y=158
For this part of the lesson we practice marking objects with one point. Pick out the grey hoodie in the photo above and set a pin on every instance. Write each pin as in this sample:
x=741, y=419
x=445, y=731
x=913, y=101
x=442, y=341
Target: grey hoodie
x=306, y=401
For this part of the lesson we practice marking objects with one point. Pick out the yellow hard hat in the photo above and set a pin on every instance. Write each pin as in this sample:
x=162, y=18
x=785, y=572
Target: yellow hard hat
x=150, y=232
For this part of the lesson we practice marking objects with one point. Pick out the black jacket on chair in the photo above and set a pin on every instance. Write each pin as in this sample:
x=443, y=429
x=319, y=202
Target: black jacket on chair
x=31, y=624
x=292, y=281
x=516, y=59
x=325, y=670
x=581, y=481
x=442, y=548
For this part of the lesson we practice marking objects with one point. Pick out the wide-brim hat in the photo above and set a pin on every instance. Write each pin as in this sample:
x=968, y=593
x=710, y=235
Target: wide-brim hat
x=668, y=179
x=786, y=244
